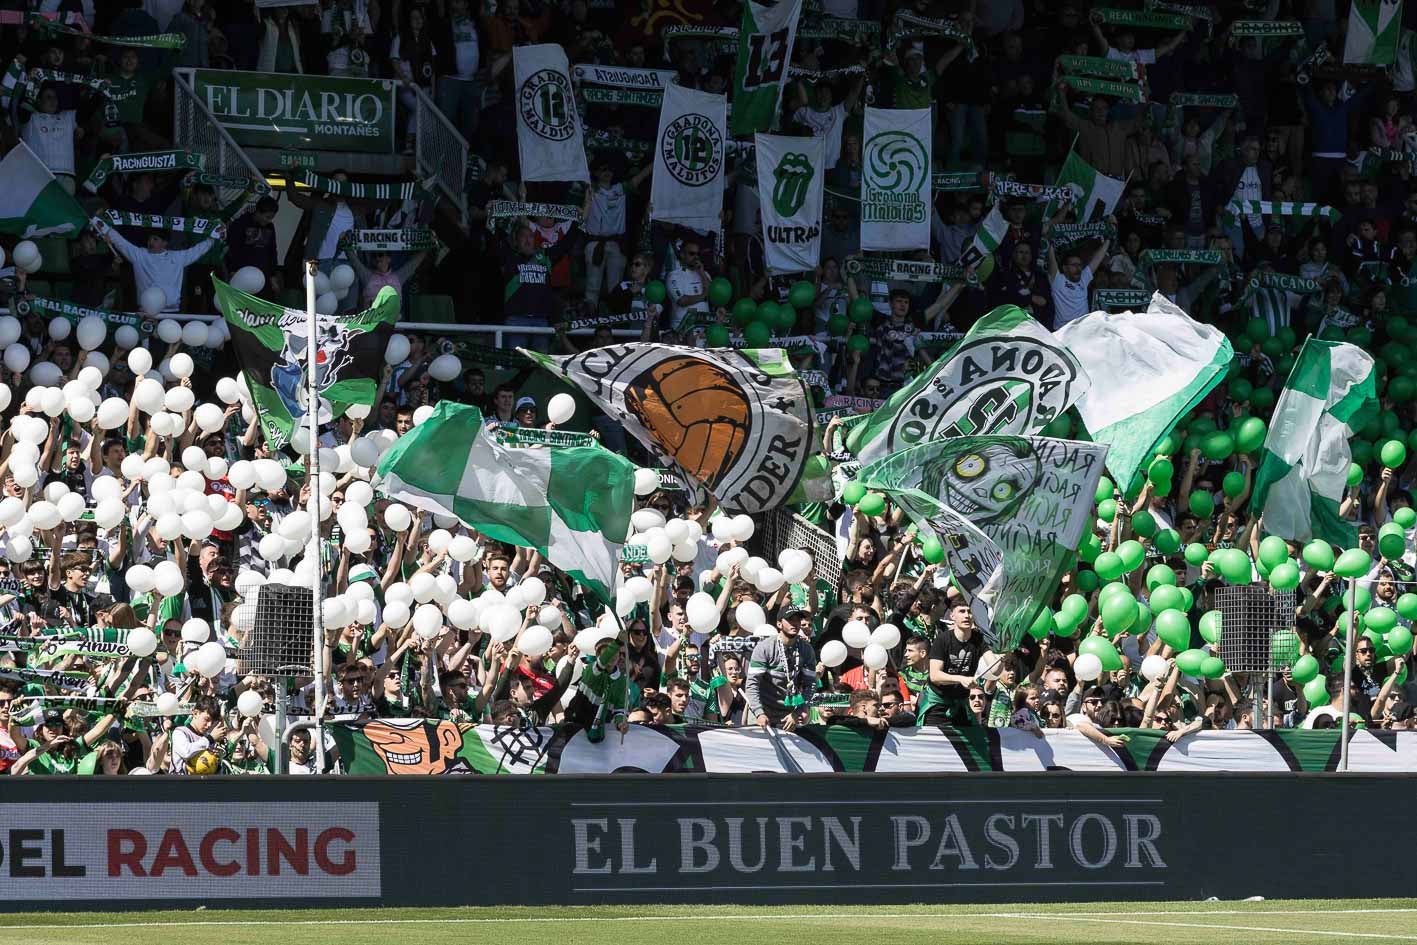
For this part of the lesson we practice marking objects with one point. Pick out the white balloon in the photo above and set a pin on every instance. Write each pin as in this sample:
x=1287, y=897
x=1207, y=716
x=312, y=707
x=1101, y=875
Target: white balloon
x=750, y=568
x=209, y=660
x=139, y=578
x=535, y=641
x=423, y=587
x=396, y=614
x=645, y=519
x=397, y=517
x=1087, y=667
x=271, y=547
x=270, y=474
x=358, y=495
x=248, y=279
x=82, y=410
x=727, y=559
x=155, y=468
x=9, y=325
x=646, y=481
x=427, y=620
x=1154, y=667
x=534, y=591
x=365, y=612
x=249, y=703
x=142, y=642
x=743, y=527
x=71, y=506
x=549, y=616
x=52, y=401
x=358, y=542
x=561, y=408
x=422, y=414
x=227, y=390
x=461, y=548
x=326, y=304
x=875, y=656
x=462, y=613
x=640, y=588
x=749, y=614
x=17, y=358
x=125, y=338
x=445, y=367
x=357, y=411
x=341, y=277
x=856, y=634
x=166, y=703
x=112, y=413
x=153, y=300
x=336, y=611
x=241, y=475
x=19, y=549
x=501, y=621
x=91, y=332
x=769, y=580
x=180, y=364
x=658, y=546
x=887, y=635
x=196, y=630
x=45, y=515
x=833, y=653
x=397, y=350
x=194, y=335
x=109, y=512
x=59, y=328
x=26, y=256
x=685, y=551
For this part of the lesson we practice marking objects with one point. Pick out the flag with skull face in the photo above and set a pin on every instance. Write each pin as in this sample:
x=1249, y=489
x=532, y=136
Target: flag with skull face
x=1010, y=512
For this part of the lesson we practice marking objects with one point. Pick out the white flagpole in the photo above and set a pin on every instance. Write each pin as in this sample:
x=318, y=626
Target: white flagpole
x=312, y=479
x=1347, y=683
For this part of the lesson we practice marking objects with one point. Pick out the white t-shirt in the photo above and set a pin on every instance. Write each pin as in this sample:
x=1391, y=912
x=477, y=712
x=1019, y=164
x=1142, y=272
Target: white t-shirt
x=682, y=282
x=51, y=138
x=465, y=47
x=607, y=211
x=1070, y=298
x=1248, y=188
x=826, y=124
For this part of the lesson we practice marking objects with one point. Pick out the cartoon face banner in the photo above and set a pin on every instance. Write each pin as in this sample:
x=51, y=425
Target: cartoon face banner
x=790, y=179
x=739, y=421
x=1009, y=510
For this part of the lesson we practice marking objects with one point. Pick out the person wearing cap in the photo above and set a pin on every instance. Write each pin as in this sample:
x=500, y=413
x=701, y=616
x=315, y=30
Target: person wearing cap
x=60, y=743
x=524, y=413
x=782, y=672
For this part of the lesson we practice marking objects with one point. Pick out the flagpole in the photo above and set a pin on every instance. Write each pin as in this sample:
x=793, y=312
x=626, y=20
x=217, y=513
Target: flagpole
x=1347, y=687
x=312, y=479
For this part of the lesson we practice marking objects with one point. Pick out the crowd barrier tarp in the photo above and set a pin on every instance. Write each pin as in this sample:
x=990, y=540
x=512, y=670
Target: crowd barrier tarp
x=428, y=747
x=834, y=840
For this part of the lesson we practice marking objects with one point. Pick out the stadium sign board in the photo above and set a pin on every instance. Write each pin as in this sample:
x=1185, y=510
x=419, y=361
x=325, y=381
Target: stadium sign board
x=300, y=112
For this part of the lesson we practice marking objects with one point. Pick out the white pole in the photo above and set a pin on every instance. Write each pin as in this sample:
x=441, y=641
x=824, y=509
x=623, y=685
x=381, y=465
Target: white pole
x=312, y=478
x=1347, y=683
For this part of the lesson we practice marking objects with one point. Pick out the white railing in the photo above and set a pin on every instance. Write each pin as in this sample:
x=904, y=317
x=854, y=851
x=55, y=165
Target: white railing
x=195, y=128
x=441, y=151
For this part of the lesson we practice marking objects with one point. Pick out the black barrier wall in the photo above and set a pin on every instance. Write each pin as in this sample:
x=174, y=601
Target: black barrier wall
x=144, y=843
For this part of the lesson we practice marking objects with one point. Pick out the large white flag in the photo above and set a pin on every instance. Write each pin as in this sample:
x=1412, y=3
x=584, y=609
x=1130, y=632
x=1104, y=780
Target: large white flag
x=549, y=136
x=895, y=179
x=688, y=158
x=790, y=179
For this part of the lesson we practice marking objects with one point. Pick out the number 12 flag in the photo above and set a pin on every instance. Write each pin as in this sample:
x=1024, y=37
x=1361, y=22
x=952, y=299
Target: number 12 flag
x=764, y=50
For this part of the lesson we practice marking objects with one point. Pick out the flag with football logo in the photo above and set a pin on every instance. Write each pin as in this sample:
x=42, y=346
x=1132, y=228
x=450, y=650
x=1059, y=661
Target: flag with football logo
x=790, y=180
x=896, y=161
x=549, y=137
x=740, y=422
x=1094, y=193
x=764, y=51
x=1330, y=394
x=1009, y=511
x=1374, y=28
x=32, y=202
x=570, y=503
x=1008, y=374
x=1148, y=370
x=687, y=186
x=271, y=342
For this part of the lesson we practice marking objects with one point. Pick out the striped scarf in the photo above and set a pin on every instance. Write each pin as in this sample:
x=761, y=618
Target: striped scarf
x=1199, y=100
x=823, y=75
x=39, y=77
x=357, y=191
x=1237, y=208
x=1182, y=257
x=1125, y=91
x=908, y=25
x=145, y=162
x=11, y=83
x=1267, y=28
x=508, y=209
x=44, y=24
x=199, y=226
x=409, y=240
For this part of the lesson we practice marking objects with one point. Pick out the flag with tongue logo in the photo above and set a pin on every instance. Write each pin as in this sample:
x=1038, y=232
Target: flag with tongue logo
x=270, y=342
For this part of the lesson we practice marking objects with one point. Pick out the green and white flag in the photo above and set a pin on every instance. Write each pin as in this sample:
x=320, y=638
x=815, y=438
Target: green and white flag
x=32, y=203
x=573, y=504
x=1303, y=472
x=991, y=232
x=1007, y=375
x=1091, y=188
x=790, y=177
x=895, y=179
x=1148, y=369
x=764, y=50
x=1374, y=27
x=548, y=126
x=1010, y=511
x=687, y=186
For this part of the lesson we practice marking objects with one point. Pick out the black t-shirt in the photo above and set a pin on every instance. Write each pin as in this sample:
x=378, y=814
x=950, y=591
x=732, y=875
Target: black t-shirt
x=959, y=658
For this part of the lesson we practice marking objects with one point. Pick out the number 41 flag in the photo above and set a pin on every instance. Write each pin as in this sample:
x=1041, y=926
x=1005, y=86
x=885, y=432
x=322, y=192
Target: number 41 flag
x=764, y=50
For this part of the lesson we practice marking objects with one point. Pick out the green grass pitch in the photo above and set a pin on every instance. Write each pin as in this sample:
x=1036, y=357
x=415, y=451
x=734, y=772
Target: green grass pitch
x=1212, y=923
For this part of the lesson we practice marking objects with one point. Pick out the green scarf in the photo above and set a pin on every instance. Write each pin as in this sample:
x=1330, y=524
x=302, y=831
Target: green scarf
x=950, y=182
x=1144, y=20
x=1123, y=69
x=408, y=240
x=357, y=191
x=145, y=162
x=903, y=270
x=640, y=97
x=1198, y=100
x=1093, y=86
x=199, y=226
x=75, y=313
x=149, y=41
x=509, y=209
x=908, y=25
x=1266, y=28
x=1182, y=257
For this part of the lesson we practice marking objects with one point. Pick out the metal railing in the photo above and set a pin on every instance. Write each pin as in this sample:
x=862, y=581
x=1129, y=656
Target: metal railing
x=440, y=150
x=195, y=128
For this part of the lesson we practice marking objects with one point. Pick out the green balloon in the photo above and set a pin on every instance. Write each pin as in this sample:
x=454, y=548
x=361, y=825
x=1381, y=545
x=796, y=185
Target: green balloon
x=1362, y=450
x=1167, y=541
x=1249, y=435
x=1357, y=599
x=768, y=311
x=655, y=292
x=1202, y=504
x=1262, y=399
x=1217, y=446
x=1273, y=550
x=1090, y=548
x=860, y=310
x=1087, y=581
x=1284, y=576
x=1240, y=389
x=1113, y=589
x=1399, y=641
x=1161, y=469
x=802, y=294
x=1144, y=524
x=1210, y=627
x=1160, y=575
x=1042, y=624
x=757, y=335
x=1233, y=484
x=1201, y=425
x=720, y=291
x=1257, y=329
x=1392, y=542
x=1407, y=606
x=1143, y=618
x=1212, y=667
x=859, y=343
x=1379, y=644
x=1074, y=608
x=744, y=311
x=1406, y=517
x=1393, y=454
x=1353, y=563
x=1380, y=619
x=1188, y=600
x=1173, y=628
x=1272, y=347
x=1132, y=554
x=1060, y=427
x=1105, y=652
x=932, y=550
x=1235, y=566
x=1118, y=614
x=1305, y=669
x=1105, y=488
x=1168, y=444
x=837, y=325
x=1189, y=661
x=1316, y=692
x=1167, y=597
x=1196, y=554
x=716, y=336
x=1401, y=389
x=1108, y=566
x=853, y=492
x=1318, y=554
x=786, y=319
x=1107, y=510
x=871, y=504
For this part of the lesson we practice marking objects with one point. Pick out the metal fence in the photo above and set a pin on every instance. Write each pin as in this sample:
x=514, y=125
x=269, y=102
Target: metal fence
x=441, y=151
x=195, y=128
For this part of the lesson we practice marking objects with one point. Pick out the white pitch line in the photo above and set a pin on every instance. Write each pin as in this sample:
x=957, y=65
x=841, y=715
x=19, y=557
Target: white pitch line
x=795, y=917
x=1230, y=928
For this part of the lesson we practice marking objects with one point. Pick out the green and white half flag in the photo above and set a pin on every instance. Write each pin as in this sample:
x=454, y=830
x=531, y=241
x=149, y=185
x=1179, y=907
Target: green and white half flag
x=980, y=252
x=1374, y=27
x=32, y=203
x=1148, y=369
x=1007, y=375
x=1304, y=468
x=571, y=504
x=764, y=50
x=1091, y=188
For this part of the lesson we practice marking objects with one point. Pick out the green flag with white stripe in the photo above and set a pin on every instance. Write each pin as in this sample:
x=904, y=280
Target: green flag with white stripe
x=572, y=504
x=1304, y=468
x=1374, y=27
x=1095, y=195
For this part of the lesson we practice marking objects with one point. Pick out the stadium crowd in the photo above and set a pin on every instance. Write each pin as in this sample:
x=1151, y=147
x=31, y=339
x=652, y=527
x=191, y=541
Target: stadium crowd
x=1225, y=115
